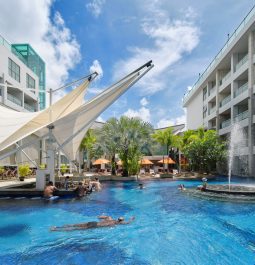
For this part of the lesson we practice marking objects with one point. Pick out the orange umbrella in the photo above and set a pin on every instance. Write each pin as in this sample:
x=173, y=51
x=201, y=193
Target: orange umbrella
x=119, y=163
x=167, y=160
x=101, y=161
x=145, y=161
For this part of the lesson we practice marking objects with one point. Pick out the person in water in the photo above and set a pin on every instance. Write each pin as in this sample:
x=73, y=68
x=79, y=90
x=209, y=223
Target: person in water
x=49, y=190
x=80, y=190
x=141, y=186
x=106, y=221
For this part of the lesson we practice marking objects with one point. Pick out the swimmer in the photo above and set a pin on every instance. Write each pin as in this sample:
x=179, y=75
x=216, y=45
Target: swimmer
x=107, y=221
x=181, y=187
x=141, y=186
x=49, y=190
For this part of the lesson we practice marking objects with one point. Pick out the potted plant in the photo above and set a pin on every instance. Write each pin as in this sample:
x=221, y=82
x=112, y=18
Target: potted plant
x=63, y=168
x=24, y=171
x=2, y=170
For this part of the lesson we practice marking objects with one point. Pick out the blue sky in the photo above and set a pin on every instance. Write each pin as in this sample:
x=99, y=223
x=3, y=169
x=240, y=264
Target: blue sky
x=116, y=36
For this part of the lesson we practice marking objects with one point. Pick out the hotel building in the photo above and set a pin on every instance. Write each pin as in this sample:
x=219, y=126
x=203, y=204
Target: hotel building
x=22, y=77
x=22, y=88
x=224, y=94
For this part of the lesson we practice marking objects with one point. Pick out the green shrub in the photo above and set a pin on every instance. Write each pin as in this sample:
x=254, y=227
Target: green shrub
x=42, y=166
x=63, y=168
x=24, y=170
x=2, y=170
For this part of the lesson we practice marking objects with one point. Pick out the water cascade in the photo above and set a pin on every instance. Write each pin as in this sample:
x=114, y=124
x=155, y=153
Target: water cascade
x=236, y=141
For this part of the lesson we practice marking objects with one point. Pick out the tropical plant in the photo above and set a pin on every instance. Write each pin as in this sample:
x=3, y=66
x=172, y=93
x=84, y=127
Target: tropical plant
x=126, y=137
x=108, y=140
x=87, y=144
x=42, y=166
x=134, y=135
x=24, y=170
x=2, y=170
x=63, y=168
x=167, y=139
x=203, y=149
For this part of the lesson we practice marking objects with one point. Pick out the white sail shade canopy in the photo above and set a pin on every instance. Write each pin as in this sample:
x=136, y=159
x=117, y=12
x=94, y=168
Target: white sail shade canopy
x=18, y=125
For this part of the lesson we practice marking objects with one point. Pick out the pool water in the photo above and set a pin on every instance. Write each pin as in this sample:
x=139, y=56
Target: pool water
x=171, y=227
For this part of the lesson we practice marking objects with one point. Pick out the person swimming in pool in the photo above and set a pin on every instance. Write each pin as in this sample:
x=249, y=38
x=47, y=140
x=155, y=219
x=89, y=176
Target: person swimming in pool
x=49, y=190
x=106, y=222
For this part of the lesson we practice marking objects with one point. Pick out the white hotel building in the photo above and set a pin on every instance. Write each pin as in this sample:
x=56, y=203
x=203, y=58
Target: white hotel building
x=22, y=87
x=224, y=94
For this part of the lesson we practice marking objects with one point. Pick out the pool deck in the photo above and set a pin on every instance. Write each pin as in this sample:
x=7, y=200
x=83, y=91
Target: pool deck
x=16, y=183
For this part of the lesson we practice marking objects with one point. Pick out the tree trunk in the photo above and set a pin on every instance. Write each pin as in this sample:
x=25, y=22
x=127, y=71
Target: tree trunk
x=113, y=166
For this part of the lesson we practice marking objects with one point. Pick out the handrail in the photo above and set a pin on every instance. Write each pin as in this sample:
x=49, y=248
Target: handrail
x=216, y=58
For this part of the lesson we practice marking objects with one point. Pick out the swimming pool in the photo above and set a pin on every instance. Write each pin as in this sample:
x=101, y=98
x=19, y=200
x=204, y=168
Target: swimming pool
x=170, y=228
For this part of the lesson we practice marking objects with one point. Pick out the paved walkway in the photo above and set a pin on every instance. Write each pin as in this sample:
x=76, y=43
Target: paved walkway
x=15, y=183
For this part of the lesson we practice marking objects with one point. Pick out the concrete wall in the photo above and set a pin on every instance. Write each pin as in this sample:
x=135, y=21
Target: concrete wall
x=195, y=112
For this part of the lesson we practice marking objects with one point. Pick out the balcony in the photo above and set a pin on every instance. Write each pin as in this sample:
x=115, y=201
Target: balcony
x=14, y=99
x=225, y=100
x=225, y=78
x=241, y=62
x=241, y=89
x=241, y=116
x=212, y=110
x=29, y=107
x=225, y=124
x=212, y=90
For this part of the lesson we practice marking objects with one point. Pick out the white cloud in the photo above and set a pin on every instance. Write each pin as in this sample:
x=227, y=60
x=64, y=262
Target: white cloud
x=144, y=102
x=96, y=67
x=170, y=122
x=29, y=22
x=142, y=113
x=170, y=40
x=95, y=7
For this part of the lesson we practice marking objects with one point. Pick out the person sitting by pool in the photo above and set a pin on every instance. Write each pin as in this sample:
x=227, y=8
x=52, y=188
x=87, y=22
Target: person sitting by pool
x=107, y=221
x=49, y=190
x=80, y=190
x=96, y=184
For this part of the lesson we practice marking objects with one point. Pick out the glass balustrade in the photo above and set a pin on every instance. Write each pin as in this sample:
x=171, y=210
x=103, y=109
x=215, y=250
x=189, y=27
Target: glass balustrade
x=14, y=99
x=241, y=116
x=212, y=110
x=241, y=62
x=241, y=89
x=29, y=107
x=225, y=100
x=225, y=124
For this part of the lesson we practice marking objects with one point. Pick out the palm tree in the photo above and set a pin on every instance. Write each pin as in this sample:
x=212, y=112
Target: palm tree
x=165, y=138
x=126, y=137
x=108, y=140
x=87, y=144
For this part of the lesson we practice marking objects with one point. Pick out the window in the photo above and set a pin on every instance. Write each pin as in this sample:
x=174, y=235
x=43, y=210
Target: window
x=14, y=70
x=30, y=81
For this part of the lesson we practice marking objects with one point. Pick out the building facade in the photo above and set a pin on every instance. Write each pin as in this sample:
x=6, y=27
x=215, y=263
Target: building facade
x=22, y=88
x=22, y=77
x=224, y=94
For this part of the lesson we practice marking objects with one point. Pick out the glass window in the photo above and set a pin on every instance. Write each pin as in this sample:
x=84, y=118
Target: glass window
x=30, y=81
x=14, y=70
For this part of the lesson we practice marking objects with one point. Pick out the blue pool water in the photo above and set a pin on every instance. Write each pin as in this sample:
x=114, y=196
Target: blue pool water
x=170, y=228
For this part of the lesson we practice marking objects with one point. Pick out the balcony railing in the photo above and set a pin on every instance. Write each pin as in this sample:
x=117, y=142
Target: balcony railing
x=242, y=116
x=225, y=124
x=225, y=100
x=225, y=78
x=230, y=40
x=212, y=90
x=241, y=89
x=241, y=62
x=212, y=110
x=14, y=99
x=29, y=107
